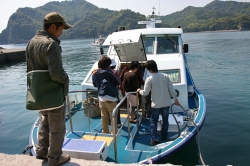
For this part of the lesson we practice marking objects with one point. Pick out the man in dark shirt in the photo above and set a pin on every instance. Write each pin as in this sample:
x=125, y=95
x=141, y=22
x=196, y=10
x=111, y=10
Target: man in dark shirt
x=44, y=53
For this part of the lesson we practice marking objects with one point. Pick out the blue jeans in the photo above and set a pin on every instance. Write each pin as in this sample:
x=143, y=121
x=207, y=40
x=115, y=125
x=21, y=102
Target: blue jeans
x=155, y=112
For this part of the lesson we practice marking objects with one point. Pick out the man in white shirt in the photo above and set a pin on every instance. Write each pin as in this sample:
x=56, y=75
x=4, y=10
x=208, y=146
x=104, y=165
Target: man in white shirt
x=161, y=92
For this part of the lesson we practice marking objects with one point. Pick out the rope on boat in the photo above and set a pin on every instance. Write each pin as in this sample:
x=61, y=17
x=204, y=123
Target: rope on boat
x=199, y=143
x=179, y=130
x=196, y=127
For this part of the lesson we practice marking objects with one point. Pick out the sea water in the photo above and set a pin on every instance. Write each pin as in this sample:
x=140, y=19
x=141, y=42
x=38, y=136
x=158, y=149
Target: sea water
x=219, y=63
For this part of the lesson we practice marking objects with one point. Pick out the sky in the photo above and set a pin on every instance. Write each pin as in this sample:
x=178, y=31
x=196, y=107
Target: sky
x=164, y=7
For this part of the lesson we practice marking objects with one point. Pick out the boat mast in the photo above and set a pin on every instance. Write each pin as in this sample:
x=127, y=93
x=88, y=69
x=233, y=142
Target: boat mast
x=151, y=22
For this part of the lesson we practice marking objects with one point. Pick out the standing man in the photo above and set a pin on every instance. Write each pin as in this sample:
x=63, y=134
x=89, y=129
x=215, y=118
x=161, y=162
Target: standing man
x=43, y=52
x=161, y=89
x=106, y=82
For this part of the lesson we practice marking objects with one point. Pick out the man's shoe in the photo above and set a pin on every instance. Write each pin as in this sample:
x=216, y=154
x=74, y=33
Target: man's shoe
x=63, y=159
x=42, y=157
x=154, y=142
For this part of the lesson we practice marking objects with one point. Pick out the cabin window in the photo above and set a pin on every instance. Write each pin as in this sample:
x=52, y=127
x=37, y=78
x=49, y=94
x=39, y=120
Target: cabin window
x=167, y=45
x=149, y=44
x=173, y=74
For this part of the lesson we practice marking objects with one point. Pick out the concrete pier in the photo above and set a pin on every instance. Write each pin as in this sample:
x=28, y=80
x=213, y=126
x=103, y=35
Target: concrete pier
x=17, y=160
x=11, y=55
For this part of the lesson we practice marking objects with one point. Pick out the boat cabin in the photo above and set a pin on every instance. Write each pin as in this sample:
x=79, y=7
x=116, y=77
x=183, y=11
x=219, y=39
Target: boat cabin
x=164, y=45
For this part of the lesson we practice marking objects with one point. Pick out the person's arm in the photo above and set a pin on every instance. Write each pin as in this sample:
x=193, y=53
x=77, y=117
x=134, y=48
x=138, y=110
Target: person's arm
x=139, y=75
x=114, y=78
x=116, y=74
x=94, y=80
x=147, y=87
x=55, y=66
x=124, y=70
x=28, y=59
x=135, y=82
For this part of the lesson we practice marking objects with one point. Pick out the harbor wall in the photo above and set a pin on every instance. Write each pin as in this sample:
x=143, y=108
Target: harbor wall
x=17, y=160
x=11, y=55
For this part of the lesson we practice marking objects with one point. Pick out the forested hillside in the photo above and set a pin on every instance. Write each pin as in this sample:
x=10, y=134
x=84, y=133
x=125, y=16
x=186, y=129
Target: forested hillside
x=217, y=15
x=89, y=20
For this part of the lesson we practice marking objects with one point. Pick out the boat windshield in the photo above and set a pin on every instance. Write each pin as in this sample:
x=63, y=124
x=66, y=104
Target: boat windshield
x=167, y=45
x=173, y=74
x=89, y=80
x=149, y=44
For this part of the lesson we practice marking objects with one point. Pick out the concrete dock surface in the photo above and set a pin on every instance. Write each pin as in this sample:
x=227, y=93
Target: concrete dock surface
x=18, y=159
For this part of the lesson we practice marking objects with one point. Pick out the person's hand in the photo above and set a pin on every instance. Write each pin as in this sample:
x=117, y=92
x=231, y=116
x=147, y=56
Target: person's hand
x=94, y=71
x=176, y=102
x=138, y=90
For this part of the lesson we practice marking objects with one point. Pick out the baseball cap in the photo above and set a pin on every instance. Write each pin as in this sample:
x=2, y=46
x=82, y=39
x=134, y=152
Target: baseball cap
x=55, y=17
x=113, y=63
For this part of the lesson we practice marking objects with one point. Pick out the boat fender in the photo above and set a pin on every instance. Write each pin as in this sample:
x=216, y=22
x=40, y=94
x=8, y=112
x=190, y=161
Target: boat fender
x=190, y=90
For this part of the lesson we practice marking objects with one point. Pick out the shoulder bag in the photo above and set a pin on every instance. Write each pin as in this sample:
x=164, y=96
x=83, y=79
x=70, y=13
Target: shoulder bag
x=43, y=93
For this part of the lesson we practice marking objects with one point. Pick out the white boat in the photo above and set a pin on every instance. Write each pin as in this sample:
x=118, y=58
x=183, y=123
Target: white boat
x=131, y=143
x=98, y=41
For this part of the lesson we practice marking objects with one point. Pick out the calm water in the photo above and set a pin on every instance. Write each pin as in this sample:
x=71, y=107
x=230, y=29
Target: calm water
x=220, y=65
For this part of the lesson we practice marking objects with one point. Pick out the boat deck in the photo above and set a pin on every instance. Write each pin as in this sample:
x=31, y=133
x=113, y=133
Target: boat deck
x=138, y=148
x=133, y=149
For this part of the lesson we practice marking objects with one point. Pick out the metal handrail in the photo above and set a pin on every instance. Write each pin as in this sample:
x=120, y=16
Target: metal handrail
x=114, y=116
x=69, y=112
x=114, y=120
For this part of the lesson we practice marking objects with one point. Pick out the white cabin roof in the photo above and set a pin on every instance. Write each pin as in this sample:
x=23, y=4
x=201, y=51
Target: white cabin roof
x=158, y=31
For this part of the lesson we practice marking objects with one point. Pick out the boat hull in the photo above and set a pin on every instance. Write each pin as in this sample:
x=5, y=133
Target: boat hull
x=138, y=144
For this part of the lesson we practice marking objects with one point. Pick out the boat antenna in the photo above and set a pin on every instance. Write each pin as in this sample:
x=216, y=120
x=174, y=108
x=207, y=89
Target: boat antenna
x=151, y=20
x=159, y=9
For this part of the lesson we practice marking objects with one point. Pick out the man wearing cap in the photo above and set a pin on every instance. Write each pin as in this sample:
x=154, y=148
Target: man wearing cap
x=43, y=52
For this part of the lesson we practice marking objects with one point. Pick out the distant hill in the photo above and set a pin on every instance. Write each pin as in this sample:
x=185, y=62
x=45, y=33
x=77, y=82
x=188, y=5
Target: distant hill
x=89, y=20
x=217, y=15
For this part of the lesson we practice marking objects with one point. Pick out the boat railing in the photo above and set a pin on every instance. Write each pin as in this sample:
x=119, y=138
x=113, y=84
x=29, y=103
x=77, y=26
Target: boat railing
x=87, y=107
x=114, y=114
x=114, y=118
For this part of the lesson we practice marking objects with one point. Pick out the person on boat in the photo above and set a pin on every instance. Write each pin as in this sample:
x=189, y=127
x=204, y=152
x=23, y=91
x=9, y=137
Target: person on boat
x=161, y=92
x=131, y=84
x=112, y=67
x=138, y=74
x=106, y=82
x=43, y=52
